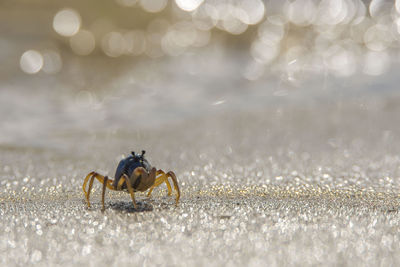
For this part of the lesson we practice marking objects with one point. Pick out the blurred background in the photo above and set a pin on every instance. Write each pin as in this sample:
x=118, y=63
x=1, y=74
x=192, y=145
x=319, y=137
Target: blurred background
x=132, y=64
x=280, y=119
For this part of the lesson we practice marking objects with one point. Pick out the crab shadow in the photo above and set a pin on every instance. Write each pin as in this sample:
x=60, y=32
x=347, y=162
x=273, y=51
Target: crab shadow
x=126, y=206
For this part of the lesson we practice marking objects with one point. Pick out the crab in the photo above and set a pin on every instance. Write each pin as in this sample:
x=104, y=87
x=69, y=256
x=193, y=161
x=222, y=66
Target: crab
x=134, y=173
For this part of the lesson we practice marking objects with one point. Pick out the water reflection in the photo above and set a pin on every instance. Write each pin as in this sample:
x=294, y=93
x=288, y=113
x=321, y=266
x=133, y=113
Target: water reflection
x=67, y=22
x=188, y=5
x=31, y=61
x=153, y=6
x=336, y=37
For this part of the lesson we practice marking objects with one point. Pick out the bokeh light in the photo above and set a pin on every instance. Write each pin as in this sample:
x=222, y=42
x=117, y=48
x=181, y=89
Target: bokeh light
x=31, y=61
x=205, y=17
x=341, y=61
x=153, y=6
x=127, y=3
x=231, y=19
x=397, y=5
x=378, y=37
x=263, y=52
x=334, y=12
x=376, y=63
x=135, y=42
x=380, y=8
x=254, y=10
x=83, y=43
x=67, y=22
x=300, y=12
x=271, y=33
x=113, y=44
x=188, y=5
x=334, y=36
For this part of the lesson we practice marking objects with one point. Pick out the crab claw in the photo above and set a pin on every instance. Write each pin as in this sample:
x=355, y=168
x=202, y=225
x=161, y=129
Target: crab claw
x=139, y=171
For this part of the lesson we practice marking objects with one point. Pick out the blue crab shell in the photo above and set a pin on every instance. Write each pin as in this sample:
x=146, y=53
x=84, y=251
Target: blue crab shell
x=128, y=165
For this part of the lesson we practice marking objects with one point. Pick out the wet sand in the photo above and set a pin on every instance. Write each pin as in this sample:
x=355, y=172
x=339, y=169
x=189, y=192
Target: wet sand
x=294, y=186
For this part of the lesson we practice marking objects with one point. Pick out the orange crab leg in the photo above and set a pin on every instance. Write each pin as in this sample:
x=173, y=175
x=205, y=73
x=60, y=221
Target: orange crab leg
x=90, y=189
x=164, y=178
x=130, y=189
x=173, y=177
x=121, y=182
x=103, y=193
x=85, y=182
x=166, y=181
x=107, y=182
x=161, y=179
x=98, y=177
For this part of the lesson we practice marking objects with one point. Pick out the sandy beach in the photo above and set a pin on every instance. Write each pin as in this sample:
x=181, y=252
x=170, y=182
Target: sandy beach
x=279, y=118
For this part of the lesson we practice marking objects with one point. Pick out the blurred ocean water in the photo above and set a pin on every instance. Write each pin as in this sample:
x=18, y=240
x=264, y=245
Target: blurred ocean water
x=137, y=64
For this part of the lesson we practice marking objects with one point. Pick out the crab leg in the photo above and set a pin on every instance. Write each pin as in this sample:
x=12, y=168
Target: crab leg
x=173, y=177
x=98, y=177
x=85, y=182
x=101, y=179
x=103, y=193
x=130, y=189
x=166, y=181
x=164, y=178
x=121, y=182
x=161, y=179
x=90, y=189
